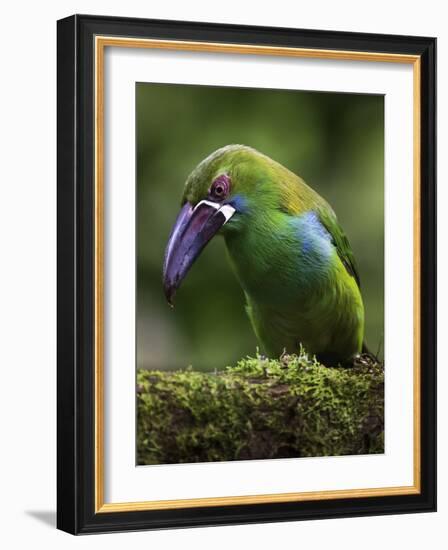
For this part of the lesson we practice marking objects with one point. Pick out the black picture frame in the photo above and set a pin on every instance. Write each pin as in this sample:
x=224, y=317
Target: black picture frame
x=76, y=272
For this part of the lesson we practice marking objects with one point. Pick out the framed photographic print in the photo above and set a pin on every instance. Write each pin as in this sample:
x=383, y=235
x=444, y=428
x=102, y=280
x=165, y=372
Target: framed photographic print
x=246, y=274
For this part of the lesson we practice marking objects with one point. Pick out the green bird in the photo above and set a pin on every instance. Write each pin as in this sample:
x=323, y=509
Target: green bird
x=287, y=249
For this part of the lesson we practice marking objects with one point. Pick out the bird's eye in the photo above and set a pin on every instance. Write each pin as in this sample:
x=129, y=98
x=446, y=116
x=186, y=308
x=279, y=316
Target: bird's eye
x=220, y=187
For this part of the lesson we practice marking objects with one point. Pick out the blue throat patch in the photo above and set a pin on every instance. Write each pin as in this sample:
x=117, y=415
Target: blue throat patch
x=315, y=240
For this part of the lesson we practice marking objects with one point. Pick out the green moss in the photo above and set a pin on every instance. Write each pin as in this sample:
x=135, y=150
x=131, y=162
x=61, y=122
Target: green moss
x=259, y=408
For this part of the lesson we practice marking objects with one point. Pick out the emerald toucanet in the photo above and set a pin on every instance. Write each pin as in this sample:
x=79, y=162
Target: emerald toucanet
x=288, y=251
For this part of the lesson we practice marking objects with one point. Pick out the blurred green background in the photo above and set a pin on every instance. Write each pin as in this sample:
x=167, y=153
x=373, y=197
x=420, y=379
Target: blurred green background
x=334, y=141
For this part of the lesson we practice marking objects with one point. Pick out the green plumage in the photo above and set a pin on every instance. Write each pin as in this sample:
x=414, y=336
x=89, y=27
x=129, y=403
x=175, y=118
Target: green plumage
x=291, y=257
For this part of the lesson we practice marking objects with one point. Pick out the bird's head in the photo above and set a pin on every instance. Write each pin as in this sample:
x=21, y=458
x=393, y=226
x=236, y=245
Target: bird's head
x=221, y=195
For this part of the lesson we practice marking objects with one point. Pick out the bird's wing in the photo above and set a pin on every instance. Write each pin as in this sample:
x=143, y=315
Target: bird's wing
x=329, y=221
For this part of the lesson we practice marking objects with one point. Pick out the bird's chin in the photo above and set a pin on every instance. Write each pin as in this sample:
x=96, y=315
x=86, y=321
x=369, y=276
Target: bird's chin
x=194, y=227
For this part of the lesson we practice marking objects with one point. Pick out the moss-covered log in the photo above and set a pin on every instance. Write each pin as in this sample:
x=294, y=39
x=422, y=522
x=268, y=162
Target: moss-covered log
x=260, y=408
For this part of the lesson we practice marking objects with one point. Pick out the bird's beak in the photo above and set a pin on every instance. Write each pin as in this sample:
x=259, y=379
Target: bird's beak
x=193, y=229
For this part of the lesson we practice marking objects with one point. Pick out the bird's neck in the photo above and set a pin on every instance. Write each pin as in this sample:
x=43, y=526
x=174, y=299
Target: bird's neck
x=277, y=257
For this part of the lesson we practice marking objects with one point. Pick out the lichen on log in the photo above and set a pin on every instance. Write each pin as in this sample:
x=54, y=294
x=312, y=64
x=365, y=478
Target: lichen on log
x=260, y=409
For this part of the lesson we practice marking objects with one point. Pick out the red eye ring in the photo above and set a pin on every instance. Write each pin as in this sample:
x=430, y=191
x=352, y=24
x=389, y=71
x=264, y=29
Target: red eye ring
x=220, y=188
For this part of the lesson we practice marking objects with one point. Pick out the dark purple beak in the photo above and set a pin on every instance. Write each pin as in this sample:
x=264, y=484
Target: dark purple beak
x=193, y=229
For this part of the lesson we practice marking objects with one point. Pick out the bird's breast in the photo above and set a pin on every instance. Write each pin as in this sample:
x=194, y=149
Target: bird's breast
x=282, y=263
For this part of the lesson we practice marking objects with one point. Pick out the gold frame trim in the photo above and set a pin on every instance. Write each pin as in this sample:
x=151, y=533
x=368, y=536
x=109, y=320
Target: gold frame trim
x=101, y=42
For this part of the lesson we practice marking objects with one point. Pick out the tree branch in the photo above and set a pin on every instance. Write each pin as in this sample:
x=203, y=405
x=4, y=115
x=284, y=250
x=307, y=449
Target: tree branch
x=291, y=407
